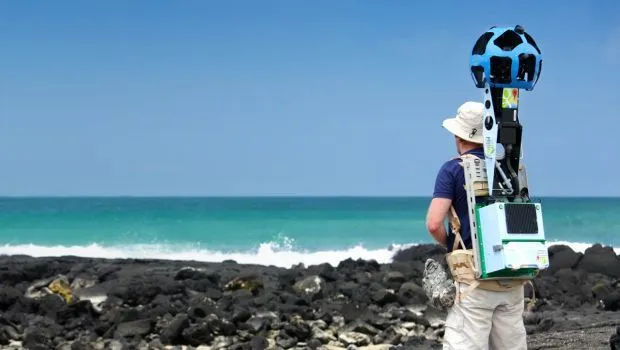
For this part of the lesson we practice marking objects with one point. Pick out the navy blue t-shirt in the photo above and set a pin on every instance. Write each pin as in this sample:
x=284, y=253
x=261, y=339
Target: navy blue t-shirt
x=450, y=183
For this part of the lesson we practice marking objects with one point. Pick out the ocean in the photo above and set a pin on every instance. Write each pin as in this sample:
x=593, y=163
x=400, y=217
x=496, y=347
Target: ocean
x=280, y=231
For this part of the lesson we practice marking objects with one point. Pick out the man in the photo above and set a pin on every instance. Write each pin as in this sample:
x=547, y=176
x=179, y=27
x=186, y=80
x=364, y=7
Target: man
x=483, y=319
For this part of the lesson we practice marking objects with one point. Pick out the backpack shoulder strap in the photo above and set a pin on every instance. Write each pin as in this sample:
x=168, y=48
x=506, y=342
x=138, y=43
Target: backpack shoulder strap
x=455, y=223
x=455, y=226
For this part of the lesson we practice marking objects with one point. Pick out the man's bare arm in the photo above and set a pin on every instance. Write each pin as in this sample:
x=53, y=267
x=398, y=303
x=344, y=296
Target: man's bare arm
x=437, y=211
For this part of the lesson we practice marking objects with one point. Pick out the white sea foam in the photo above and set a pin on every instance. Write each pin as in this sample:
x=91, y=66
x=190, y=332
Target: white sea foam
x=270, y=253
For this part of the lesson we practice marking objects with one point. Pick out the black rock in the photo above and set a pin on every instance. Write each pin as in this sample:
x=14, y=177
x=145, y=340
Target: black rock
x=351, y=311
x=314, y=344
x=256, y=324
x=599, y=259
x=614, y=340
x=201, y=310
x=409, y=316
x=376, y=321
x=285, y=341
x=8, y=296
x=327, y=272
x=133, y=328
x=173, y=331
x=221, y=326
x=81, y=344
x=421, y=343
x=213, y=293
x=545, y=324
x=394, y=279
x=348, y=288
x=50, y=305
x=191, y=273
x=38, y=339
x=197, y=334
x=258, y=343
x=240, y=314
x=363, y=278
x=389, y=336
x=420, y=253
x=361, y=327
x=4, y=337
x=264, y=299
x=565, y=257
x=611, y=302
x=299, y=330
x=411, y=293
x=384, y=296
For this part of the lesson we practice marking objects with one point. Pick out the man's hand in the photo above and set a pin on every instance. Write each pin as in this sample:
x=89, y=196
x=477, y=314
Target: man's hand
x=435, y=217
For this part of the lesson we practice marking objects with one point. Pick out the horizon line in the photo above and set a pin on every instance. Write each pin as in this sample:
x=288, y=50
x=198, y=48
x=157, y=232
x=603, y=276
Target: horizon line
x=268, y=196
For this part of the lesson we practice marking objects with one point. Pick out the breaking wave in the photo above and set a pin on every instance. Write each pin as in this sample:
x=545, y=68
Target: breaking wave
x=281, y=254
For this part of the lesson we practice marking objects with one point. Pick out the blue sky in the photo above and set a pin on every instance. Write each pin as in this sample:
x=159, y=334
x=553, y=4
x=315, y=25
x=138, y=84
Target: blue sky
x=288, y=97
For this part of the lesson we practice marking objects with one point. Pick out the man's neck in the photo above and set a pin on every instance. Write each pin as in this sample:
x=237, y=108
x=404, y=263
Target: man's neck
x=468, y=149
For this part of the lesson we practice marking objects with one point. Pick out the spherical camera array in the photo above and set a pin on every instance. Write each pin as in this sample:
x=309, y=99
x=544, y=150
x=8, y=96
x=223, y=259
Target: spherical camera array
x=506, y=57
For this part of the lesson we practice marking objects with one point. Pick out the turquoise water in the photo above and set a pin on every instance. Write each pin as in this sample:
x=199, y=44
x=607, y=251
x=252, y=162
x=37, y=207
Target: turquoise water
x=277, y=231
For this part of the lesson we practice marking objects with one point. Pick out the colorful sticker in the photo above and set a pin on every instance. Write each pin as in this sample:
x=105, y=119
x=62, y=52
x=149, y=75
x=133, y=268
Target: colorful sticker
x=542, y=258
x=510, y=98
x=489, y=147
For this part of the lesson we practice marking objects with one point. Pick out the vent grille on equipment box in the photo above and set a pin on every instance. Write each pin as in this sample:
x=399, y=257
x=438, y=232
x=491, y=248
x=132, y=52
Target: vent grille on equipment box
x=521, y=218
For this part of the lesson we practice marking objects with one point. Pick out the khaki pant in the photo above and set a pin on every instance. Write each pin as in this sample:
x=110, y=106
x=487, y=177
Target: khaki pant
x=486, y=320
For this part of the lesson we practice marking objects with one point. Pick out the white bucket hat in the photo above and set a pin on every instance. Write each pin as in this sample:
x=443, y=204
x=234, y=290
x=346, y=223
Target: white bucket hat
x=468, y=122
